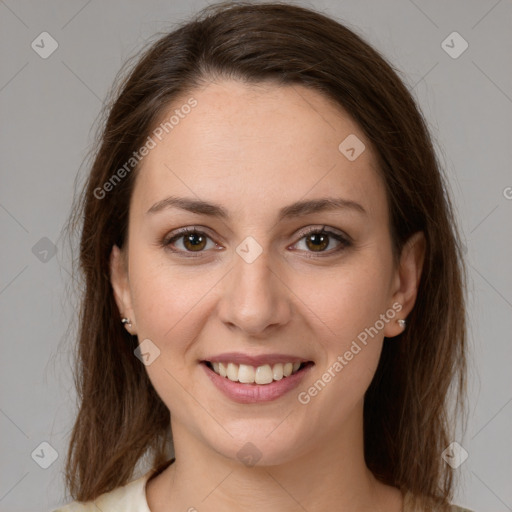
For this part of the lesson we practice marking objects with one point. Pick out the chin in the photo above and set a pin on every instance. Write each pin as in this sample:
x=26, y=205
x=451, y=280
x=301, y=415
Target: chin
x=260, y=442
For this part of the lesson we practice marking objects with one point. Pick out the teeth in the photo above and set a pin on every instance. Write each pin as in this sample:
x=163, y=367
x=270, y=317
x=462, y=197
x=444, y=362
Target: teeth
x=277, y=371
x=263, y=375
x=245, y=373
x=248, y=374
x=287, y=369
x=233, y=372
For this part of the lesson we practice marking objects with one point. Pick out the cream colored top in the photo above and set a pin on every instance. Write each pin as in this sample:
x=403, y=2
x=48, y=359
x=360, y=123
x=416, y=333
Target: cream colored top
x=132, y=498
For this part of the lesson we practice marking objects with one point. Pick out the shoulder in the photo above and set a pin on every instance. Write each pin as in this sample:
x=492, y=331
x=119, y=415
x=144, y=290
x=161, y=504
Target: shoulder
x=128, y=498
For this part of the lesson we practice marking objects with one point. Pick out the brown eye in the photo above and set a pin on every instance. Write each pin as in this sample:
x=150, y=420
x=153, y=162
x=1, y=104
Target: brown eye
x=191, y=240
x=194, y=241
x=317, y=241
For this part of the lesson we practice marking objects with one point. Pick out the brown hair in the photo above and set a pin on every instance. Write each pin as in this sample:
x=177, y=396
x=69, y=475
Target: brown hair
x=407, y=408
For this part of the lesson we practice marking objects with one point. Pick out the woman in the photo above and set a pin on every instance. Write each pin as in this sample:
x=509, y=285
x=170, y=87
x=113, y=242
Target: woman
x=272, y=273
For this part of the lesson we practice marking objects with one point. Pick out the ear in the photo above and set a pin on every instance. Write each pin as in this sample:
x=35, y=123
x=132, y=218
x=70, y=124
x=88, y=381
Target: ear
x=406, y=280
x=121, y=286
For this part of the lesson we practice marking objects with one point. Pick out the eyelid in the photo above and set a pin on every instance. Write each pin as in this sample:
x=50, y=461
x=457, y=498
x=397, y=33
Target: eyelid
x=179, y=233
x=324, y=228
x=344, y=239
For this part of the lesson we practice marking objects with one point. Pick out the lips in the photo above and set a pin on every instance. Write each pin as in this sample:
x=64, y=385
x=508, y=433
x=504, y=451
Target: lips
x=249, y=379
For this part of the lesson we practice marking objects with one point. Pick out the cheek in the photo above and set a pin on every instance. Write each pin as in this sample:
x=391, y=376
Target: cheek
x=349, y=305
x=169, y=305
x=344, y=301
x=167, y=297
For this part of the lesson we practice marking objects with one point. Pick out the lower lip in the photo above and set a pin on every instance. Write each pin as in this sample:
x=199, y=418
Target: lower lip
x=254, y=393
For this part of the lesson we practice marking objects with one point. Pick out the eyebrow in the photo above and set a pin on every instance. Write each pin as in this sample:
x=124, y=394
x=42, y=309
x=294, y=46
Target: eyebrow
x=299, y=208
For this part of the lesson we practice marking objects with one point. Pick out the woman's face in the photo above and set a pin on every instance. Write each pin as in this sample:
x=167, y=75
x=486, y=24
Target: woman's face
x=251, y=287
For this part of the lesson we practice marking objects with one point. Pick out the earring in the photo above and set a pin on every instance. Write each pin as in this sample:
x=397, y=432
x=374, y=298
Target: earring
x=402, y=323
x=126, y=321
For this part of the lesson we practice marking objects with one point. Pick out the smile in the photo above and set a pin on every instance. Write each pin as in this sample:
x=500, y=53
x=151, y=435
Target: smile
x=248, y=374
x=248, y=384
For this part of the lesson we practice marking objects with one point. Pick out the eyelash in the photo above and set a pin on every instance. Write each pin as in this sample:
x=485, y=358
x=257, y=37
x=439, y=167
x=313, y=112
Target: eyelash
x=345, y=242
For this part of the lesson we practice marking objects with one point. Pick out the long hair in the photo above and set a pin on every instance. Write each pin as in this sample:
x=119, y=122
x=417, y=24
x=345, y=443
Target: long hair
x=421, y=374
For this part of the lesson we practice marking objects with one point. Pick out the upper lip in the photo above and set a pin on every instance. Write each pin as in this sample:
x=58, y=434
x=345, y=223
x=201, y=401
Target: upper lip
x=259, y=360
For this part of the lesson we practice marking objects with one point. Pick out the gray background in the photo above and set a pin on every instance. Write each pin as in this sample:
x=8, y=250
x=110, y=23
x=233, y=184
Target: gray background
x=48, y=108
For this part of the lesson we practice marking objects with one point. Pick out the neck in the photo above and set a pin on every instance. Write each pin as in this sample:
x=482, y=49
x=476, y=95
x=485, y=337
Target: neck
x=332, y=476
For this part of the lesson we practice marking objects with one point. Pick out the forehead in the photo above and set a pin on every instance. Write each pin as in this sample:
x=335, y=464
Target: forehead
x=262, y=144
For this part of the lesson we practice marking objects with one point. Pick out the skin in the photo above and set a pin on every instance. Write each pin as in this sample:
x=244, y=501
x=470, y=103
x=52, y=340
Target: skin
x=253, y=150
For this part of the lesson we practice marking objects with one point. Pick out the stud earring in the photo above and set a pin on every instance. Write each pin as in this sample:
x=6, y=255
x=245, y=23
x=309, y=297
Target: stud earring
x=126, y=321
x=402, y=323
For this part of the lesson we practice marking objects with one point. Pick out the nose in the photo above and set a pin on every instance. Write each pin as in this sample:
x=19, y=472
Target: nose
x=255, y=298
